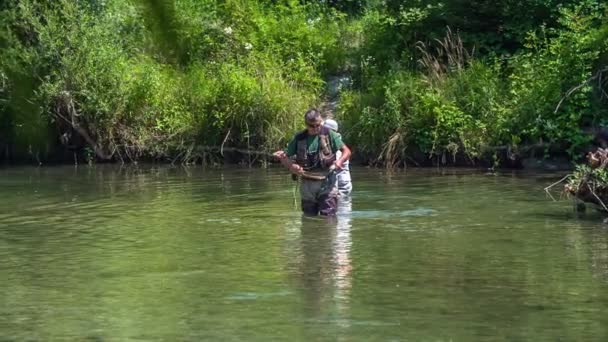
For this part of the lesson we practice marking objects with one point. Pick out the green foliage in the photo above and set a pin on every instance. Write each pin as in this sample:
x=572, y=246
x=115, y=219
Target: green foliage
x=554, y=69
x=458, y=115
x=458, y=104
x=152, y=78
x=585, y=177
x=493, y=26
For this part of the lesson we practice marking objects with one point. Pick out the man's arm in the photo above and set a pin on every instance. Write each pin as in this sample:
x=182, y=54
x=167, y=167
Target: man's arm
x=287, y=162
x=344, y=157
x=340, y=146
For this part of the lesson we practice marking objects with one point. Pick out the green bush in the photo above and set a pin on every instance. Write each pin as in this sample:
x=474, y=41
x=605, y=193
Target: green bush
x=156, y=79
x=213, y=79
x=550, y=94
x=458, y=104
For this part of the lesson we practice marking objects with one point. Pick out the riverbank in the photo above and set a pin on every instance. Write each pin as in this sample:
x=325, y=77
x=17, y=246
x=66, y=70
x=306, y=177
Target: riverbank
x=421, y=88
x=500, y=158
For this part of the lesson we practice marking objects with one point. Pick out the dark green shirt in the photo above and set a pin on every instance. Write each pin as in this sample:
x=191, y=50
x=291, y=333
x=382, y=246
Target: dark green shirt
x=312, y=143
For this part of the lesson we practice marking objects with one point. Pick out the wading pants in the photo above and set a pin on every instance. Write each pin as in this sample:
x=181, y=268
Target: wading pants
x=318, y=199
x=345, y=186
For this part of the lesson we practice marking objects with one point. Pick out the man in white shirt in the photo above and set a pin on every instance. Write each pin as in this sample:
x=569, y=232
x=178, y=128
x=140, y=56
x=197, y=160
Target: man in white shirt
x=345, y=186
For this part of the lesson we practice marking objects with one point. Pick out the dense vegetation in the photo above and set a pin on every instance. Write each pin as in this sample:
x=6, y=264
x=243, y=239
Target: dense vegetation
x=443, y=81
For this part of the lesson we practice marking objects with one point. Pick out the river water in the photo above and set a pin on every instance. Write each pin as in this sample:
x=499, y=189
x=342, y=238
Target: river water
x=187, y=254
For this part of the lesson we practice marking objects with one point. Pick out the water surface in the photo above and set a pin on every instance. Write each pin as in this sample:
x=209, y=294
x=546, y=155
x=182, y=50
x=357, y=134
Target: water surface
x=172, y=254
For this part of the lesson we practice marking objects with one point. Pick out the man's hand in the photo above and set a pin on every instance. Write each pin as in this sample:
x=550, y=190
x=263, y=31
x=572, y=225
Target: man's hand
x=296, y=169
x=280, y=154
x=288, y=163
x=339, y=164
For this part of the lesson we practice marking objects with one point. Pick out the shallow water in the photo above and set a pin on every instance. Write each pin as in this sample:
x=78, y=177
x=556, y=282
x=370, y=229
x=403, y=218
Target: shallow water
x=159, y=253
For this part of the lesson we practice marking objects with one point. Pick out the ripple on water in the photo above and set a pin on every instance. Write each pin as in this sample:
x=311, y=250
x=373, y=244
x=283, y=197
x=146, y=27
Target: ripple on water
x=372, y=214
x=258, y=295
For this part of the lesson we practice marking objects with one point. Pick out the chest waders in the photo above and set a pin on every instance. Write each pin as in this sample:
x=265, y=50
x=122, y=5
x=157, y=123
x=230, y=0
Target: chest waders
x=318, y=179
x=316, y=163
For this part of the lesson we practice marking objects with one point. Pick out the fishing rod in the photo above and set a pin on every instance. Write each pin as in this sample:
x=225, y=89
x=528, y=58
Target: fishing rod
x=304, y=174
x=222, y=149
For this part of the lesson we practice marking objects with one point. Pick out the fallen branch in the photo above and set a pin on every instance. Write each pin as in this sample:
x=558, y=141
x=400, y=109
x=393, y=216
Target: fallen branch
x=597, y=75
x=221, y=149
x=596, y=196
x=224, y=142
x=554, y=184
x=68, y=103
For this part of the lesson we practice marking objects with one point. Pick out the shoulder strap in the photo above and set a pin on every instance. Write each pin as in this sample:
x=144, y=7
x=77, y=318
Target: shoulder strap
x=301, y=148
x=324, y=144
x=302, y=135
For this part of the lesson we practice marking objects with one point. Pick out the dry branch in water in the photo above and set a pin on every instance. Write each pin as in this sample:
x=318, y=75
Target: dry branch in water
x=590, y=182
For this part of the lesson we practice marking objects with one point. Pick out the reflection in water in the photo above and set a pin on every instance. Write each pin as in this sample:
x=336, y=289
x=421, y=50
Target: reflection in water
x=324, y=266
x=342, y=259
x=316, y=265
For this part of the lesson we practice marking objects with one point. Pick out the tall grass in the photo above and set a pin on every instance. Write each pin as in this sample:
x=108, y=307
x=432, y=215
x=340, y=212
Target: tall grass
x=456, y=108
x=129, y=82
